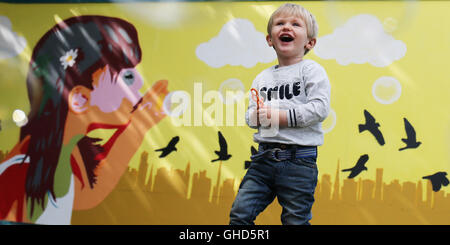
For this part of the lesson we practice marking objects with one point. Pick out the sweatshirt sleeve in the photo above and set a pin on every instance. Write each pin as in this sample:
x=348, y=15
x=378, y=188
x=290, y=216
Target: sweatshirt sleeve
x=251, y=122
x=317, y=106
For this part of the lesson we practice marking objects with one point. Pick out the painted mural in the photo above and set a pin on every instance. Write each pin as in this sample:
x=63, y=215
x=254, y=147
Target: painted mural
x=134, y=113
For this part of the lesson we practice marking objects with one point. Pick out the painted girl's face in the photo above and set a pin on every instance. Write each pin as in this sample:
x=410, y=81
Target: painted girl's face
x=118, y=92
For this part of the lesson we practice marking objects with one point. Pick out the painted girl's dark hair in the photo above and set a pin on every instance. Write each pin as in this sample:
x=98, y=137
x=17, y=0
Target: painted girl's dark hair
x=98, y=41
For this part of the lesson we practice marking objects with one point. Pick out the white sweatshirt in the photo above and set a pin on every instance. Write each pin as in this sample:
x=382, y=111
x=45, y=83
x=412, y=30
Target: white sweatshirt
x=303, y=90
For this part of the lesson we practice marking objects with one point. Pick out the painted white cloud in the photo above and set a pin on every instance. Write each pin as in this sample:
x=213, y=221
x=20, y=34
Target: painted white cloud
x=238, y=44
x=362, y=39
x=10, y=43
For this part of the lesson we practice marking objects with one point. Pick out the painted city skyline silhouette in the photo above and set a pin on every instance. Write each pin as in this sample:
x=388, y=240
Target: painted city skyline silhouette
x=175, y=196
x=165, y=198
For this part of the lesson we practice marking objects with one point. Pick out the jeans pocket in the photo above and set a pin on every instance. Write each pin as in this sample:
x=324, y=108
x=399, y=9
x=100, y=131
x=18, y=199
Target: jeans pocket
x=306, y=161
x=250, y=174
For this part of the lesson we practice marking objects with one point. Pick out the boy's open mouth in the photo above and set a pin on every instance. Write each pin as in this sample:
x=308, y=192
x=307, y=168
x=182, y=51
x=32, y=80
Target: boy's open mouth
x=286, y=38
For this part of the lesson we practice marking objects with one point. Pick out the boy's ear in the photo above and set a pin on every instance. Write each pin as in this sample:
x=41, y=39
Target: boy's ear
x=311, y=43
x=269, y=40
x=79, y=99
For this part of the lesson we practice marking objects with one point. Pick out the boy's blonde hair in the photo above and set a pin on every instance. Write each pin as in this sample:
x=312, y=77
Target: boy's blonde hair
x=294, y=9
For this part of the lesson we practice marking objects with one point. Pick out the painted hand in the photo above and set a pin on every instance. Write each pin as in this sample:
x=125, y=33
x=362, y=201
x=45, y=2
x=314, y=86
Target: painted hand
x=149, y=111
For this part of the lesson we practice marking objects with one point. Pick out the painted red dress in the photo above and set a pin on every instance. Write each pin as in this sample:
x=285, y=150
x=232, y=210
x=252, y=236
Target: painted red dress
x=13, y=172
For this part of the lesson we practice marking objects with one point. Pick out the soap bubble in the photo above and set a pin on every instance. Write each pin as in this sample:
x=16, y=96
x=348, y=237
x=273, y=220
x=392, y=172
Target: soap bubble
x=329, y=123
x=19, y=118
x=390, y=24
x=386, y=90
x=175, y=103
x=234, y=87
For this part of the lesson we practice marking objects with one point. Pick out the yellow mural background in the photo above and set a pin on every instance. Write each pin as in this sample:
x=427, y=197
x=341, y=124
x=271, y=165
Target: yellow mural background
x=169, y=44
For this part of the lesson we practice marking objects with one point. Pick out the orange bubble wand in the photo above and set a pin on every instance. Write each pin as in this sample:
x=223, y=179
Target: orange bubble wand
x=259, y=102
x=255, y=96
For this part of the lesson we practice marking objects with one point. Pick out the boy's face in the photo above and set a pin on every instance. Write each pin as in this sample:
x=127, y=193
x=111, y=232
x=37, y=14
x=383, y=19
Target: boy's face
x=289, y=37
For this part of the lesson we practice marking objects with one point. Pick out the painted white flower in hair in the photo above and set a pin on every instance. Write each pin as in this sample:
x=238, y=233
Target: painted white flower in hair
x=69, y=58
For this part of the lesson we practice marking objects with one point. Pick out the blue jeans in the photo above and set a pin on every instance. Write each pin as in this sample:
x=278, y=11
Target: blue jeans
x=293, y=182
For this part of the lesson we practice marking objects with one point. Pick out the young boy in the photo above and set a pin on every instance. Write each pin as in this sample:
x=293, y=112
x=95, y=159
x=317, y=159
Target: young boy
x=296, y=92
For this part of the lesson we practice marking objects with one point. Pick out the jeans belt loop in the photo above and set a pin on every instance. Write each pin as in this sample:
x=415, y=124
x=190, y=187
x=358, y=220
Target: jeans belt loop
x=293, y=152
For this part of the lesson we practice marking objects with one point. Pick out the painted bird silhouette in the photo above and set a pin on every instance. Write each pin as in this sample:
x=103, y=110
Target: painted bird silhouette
x=247, y=163
x=170, y=147
x=223, y=153
x=411, y=141
x=359, y=167
x=372, y=126
x=437, y=180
